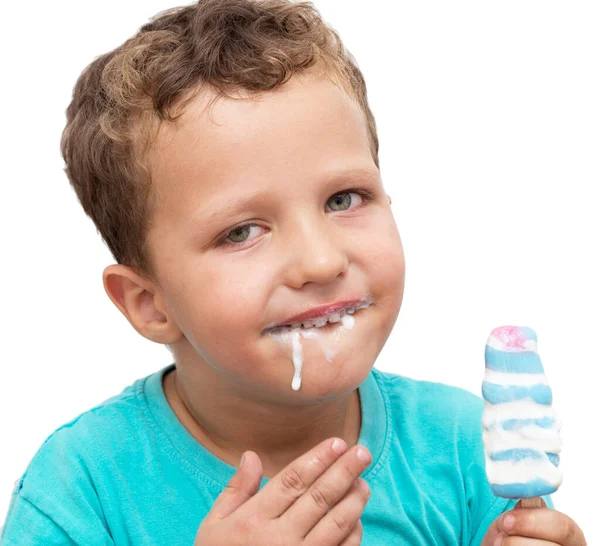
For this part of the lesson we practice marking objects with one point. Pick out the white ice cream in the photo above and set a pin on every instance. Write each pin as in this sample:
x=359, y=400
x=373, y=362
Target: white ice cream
x=328, y=340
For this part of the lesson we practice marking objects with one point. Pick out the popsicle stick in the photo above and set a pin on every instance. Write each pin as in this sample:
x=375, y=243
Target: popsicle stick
x=533, y=502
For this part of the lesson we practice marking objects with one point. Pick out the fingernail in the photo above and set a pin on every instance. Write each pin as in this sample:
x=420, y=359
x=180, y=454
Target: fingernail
x=242, y=460
x=363, y=455
x=339, y=446
x=508, y=522
x=499, y=540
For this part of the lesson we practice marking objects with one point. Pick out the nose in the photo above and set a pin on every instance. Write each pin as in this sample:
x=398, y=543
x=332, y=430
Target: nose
x=315, y=255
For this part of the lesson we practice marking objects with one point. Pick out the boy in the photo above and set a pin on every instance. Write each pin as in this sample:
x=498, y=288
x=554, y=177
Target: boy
x=228, y=156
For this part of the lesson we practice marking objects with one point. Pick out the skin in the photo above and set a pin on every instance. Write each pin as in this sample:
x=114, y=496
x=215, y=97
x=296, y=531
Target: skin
x=277, y=159
x=317, y=500
x=289, y=152
x=534, y=527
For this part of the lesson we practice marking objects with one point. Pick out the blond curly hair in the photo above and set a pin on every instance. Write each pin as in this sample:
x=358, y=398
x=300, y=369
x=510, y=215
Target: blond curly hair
x=123, y=96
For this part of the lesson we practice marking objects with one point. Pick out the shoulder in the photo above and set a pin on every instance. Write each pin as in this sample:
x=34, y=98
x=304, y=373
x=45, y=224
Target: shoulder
x=59, y=491
x=429, y=399
x=434, y=414
x=105, y=418
x=76, y=443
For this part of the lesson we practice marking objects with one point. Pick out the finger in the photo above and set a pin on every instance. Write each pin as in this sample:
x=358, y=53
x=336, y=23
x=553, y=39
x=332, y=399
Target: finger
x=355, y=537
x=520, y=541
x=494, y=531
x=241, y=487
x=284, y=488
x=496, y=534
x=326, y=491
x=542, y=524
x=340, y=521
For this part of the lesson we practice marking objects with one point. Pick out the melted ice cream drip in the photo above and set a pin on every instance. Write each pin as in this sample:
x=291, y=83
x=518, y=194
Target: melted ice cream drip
x=297, y=359
x=346, y=323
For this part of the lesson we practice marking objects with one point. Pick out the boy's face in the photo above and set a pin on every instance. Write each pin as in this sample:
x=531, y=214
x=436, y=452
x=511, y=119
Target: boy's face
x=268, y=209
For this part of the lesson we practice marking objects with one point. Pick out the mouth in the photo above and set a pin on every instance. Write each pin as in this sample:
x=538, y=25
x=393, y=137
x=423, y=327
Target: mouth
x=327, y=316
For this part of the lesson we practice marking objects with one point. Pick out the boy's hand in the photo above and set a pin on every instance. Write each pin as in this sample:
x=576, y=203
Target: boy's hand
x=316, y=500
x=533, y=527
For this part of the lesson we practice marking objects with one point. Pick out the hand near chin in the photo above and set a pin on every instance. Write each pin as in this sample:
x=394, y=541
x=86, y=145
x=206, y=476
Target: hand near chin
x=533, y=527
x=316, y=500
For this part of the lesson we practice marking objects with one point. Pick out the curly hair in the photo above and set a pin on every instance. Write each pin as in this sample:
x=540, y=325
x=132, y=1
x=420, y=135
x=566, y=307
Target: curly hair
x=124, y=95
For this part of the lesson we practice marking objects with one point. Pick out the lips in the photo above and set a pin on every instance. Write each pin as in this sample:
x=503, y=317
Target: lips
x=320, y=315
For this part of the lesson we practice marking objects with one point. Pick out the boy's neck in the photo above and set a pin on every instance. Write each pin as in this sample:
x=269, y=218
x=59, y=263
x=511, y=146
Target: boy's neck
x=227, y=427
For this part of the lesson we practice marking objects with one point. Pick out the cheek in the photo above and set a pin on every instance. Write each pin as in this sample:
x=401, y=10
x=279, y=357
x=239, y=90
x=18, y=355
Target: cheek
x=221, y=325
x=231, y=286
x=382, y=254
x=225, y=309
x=223, y=305
x=383, y=262
x=393, y=267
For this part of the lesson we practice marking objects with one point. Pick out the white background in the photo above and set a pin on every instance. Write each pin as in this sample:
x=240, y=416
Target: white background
x=489, y=121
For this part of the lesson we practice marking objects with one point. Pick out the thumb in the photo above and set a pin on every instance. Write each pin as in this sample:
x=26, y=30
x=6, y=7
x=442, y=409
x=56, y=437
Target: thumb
x=243, y=485
x=494, y=531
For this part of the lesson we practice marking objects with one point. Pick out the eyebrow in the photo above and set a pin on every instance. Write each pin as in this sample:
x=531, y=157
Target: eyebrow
x=254, y=199
x=231, y=208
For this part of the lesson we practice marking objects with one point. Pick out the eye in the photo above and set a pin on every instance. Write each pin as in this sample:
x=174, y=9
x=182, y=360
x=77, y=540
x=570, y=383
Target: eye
x=343, y=200
x=241, y=234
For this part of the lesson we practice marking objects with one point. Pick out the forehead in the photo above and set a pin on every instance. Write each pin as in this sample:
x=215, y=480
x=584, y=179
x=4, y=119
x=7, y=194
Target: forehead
x=303, y=130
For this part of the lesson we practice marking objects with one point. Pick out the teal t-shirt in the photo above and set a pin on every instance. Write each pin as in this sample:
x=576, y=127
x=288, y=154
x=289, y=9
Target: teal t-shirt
x=128, y=473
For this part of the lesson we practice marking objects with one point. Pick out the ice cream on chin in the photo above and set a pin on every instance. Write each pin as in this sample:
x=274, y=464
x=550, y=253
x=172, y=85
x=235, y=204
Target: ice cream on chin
x=520, y=429
x=326, y=332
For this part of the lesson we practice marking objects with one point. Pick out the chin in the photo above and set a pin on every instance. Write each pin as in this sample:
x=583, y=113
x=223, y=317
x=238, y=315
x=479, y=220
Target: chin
x=323, y=383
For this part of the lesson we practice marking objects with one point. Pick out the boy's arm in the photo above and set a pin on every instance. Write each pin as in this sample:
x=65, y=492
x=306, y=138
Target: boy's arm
x=55, y=501
x=26, y=525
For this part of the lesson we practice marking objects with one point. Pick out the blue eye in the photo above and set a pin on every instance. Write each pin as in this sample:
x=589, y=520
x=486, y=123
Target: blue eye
x=343, y=200
x=338, y=202
x=240, y=234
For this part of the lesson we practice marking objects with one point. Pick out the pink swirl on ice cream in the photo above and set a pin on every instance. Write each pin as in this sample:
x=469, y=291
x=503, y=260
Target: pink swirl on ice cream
x=511, y=337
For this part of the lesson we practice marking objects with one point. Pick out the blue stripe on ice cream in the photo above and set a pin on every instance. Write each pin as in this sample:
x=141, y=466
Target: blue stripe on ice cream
x=514, y=424
x=520, y=454
x=534, y=488
x=512, y=362
x=554, y=458
x=498, y=394
x=516, y=455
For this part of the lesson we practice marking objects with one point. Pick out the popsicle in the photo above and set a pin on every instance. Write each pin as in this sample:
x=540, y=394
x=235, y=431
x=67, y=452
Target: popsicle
x=521, y=431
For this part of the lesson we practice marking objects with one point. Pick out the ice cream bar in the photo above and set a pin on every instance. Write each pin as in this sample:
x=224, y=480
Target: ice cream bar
x=520, y=428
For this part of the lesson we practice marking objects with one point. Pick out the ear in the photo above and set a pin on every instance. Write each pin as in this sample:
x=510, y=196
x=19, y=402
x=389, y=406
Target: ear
x=136, y=297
